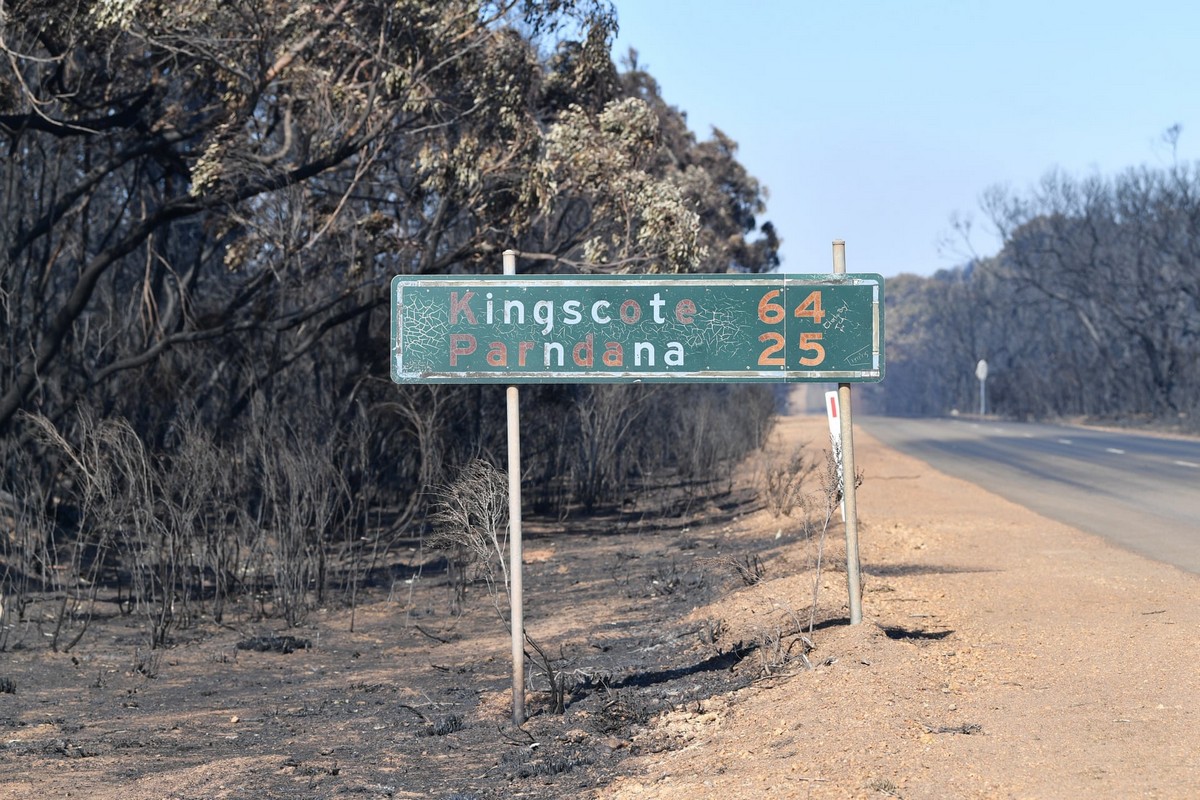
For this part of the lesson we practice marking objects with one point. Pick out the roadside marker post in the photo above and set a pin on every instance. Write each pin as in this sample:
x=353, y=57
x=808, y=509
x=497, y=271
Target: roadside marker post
x=835, y=436
x=600, y=328
x=981, y=372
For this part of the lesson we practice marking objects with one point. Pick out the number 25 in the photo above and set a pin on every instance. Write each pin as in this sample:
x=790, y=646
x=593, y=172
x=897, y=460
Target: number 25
x=809, y=343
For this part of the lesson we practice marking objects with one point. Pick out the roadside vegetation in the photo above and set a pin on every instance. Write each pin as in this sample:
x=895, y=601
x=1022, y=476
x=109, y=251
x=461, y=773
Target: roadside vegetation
x=203, y=205
x=1091, y=309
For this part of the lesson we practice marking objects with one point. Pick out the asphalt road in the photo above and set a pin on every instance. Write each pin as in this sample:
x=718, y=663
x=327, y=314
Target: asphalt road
x=1139, y=492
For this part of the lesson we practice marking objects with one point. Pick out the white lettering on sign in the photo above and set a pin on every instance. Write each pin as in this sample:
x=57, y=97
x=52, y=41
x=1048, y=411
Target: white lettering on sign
x=583, y=352
x=570, y=312
x=544, y=313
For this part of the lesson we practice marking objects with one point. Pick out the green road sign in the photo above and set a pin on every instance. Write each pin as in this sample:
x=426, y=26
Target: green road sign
x=666, y=328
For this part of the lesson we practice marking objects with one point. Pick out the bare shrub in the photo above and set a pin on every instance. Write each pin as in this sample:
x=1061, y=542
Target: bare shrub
x=622, y=709
x=125, y=525
x=884, y=786
x=809, y=491
x=818, y=514
x=146, y=663
x=197, y=497
x=711, y=631
x=783, y=482
x=27, y=535
x=107, y=477
x=302, y=495
x=363, y=541
x=749, y=568
x=777, y=646
x=605, y=415
x=423, y=410
x=470, y=520
x=713, y=427
x=554, y=672
x=668, y=578
x=444, y=726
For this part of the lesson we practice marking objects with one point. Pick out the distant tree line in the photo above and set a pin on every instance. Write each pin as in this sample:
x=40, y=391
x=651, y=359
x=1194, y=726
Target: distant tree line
x=1091, y=309
x=203, y=203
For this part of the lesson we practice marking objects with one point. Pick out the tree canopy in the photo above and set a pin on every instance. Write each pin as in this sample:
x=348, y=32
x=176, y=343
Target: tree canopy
x=200, y=172
x=1092, y=307
x=204, y=202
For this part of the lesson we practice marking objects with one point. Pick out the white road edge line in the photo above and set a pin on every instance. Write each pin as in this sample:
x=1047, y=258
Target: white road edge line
x=1116, y=450
x=1191, y=464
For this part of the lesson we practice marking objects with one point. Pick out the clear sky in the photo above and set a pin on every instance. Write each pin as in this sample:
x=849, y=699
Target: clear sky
x=874, y=122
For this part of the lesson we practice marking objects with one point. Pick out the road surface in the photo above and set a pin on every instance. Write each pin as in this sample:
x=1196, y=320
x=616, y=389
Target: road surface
x=1140, y=492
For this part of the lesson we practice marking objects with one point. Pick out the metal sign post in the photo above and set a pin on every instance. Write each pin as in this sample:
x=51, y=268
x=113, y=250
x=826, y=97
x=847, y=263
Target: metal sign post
x=853, y=579
x=515, y=546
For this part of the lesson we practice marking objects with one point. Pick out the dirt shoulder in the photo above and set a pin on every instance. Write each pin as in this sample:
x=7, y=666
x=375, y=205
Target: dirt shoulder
x=1001, y=655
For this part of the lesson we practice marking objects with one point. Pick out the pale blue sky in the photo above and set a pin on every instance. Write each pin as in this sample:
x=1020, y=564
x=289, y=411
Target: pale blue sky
x=874, y=122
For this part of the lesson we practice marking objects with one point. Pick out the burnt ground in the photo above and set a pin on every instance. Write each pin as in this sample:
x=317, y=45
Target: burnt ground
x=398, y=697
x=1002, y=655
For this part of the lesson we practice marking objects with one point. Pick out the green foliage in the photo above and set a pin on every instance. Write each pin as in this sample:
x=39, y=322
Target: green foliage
x=644, y=212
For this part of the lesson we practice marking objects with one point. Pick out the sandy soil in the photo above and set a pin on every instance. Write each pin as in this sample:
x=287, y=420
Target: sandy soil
x=1040, y=663
x=1001, y=655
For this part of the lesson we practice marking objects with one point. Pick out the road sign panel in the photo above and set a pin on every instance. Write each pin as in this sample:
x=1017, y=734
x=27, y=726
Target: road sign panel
x=666, y=328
